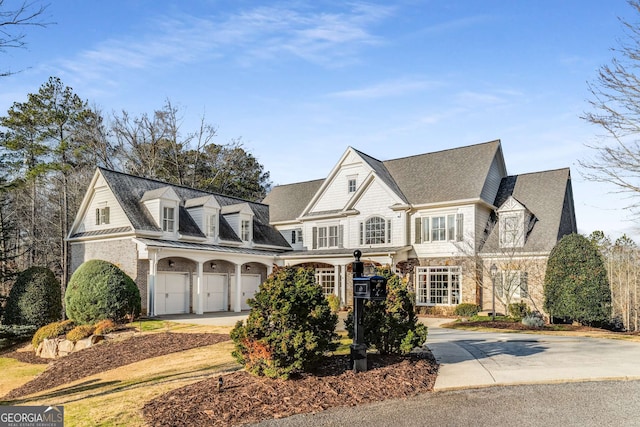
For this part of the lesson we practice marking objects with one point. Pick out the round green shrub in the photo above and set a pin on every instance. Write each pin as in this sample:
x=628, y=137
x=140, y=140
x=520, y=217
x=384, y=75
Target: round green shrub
x=35, y=298
x=466, y=309
x=289, y=328
x=391, y=326
x=99, y=290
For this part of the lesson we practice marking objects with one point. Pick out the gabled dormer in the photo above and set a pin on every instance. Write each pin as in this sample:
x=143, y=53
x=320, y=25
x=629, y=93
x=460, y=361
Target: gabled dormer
x=205, y=211
x=240, y=218
x=163, y=205
x=514, y=220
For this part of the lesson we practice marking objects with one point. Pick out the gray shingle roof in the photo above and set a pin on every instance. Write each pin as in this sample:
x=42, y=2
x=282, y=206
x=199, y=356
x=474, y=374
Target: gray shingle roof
x=548, y=197
x=128, y=190
x=454, y=174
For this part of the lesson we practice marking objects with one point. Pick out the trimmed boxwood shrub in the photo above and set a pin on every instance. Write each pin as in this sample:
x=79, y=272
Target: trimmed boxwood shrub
x=289, y=328
x=104, y=327
x=80, y=332
x=519, y=310
x=35, y=298
x=391, y=326
x=466, y=309
x=100, y=290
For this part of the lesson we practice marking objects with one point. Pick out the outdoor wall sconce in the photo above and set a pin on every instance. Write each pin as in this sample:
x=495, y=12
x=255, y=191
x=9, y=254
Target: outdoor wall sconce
x=248, y=268
x=212, y=265
x=171, y=263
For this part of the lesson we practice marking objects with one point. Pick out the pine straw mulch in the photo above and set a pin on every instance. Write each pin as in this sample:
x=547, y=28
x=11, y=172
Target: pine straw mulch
x=245, y=398
x=107, y=355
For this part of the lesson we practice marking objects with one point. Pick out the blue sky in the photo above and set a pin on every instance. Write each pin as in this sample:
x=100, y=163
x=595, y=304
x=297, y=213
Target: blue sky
x=300, y=81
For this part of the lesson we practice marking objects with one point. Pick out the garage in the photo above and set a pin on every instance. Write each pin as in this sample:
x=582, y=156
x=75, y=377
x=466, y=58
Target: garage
x=214, y=291
x=250, y=284
x=172, y=293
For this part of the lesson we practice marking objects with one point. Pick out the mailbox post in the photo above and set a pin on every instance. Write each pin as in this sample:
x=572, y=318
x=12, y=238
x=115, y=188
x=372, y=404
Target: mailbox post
x=364, y=288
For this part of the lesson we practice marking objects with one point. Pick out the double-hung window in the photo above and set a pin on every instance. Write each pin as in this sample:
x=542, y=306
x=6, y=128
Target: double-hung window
x=168, y=219
x=212, y=225
x=102, y=215
x=245, y=230
x=329, y=236
x=326, y=278
x=512, y=284
x=438, y=285
x=439, y=228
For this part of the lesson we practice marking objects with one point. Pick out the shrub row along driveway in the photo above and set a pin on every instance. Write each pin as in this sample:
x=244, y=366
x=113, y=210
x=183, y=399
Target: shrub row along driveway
x=477, y=359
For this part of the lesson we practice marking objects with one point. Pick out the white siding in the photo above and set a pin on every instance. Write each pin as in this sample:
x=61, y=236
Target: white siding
x=336, y=194
x=103, y=197
x=492, y=183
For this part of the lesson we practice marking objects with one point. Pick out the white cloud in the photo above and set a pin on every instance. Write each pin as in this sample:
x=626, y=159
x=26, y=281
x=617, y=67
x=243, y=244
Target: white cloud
x=246, y=37
x=390, y=88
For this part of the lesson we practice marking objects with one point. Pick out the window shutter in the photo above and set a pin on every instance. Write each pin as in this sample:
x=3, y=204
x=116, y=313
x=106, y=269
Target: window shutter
x=524, y=284
x=98, y=216
x=418, y=230
x=499, y=285
x=293, y=236
x=341, y=236
x=106, y=215
x=361, y=233
x=315, y=238
x=388, y=231
x=459, y=227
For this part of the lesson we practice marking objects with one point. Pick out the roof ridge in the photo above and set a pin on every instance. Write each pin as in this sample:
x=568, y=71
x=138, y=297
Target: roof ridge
x=567, y=168
x=443, y=150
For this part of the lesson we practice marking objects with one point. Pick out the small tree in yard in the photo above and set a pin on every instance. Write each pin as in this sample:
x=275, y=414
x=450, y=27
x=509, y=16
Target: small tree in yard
x=576, y=287
x=391, y=326
x=290, y=326
x=100, y=290
x=35, y=298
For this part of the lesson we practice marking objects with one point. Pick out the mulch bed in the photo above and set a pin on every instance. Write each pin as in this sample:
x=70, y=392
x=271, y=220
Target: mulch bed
x=108, y=355
x=245, y=398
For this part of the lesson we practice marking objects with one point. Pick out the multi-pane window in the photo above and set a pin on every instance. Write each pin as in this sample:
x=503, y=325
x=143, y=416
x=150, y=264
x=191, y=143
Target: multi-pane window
x=168, y=219
x=296, y=236
x=375, y=231
x=212, y=224
x=512, y=284
x=333, y=236
x=327, y=237
x=245, y=230
x=511, y=230
x=102, y=215
x=322, y=237
x=438, y=286
x=326, y=278
x=439, y=228
x=352, y=185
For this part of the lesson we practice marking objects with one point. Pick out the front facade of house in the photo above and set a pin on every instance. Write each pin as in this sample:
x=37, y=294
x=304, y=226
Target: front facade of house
x=441, y=220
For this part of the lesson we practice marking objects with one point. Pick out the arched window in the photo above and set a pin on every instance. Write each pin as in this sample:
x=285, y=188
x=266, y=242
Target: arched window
x=375, y=231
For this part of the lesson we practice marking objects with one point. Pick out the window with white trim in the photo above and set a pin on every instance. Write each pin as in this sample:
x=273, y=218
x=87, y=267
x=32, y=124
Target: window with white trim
x=375, y=231
x=296, y=236
x=438, y=286
x=351, y=185
x=102, y=215
x=329, y=236
x=326, y=278
x=245, y=230
x=512, y=284
x=511, y=229
x=439, y=228
x=168, y=219
x=212, y=225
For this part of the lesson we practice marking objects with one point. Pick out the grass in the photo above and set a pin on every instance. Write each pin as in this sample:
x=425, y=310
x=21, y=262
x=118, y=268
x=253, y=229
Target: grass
x=116, y=397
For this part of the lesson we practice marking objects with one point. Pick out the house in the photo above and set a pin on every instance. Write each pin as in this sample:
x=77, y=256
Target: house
x=453, y=223
x=184, y=248
x=440, y=219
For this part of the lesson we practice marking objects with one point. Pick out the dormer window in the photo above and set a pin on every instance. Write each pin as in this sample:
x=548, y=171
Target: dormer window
x=512, y=216
x=245, y=230
x=102, y=215
x=212, y=225
x=168, y=219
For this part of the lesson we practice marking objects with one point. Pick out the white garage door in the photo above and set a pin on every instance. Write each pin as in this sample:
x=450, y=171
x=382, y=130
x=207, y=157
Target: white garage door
x=250, y=285
x=215, y=292
x=172, y=293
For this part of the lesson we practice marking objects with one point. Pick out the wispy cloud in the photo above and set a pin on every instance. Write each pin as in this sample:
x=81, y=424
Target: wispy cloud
x=244, y=37
x=386, y=89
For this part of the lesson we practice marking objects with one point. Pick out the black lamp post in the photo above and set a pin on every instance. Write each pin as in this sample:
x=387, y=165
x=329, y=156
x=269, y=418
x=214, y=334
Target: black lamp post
x=493, y=270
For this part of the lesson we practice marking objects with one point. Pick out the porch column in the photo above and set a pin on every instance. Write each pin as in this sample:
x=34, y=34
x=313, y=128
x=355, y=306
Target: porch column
x=151, y=284
x=336, y=280
x=238, y=302
x=343, y=288
x=199, y=290
x=269, y=269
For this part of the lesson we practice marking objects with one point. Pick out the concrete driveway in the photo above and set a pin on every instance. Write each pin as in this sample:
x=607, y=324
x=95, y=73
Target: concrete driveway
x=479, y=359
